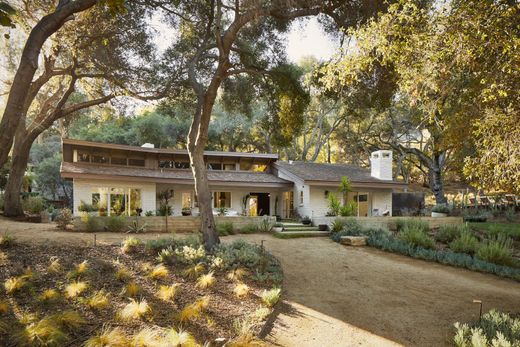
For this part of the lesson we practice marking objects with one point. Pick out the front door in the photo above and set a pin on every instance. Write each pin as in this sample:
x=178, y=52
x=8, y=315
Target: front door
x=288, y=203
x=261, y=202
x=253, y=205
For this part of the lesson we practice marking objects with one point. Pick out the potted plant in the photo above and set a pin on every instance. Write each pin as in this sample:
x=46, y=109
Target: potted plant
x=186, y=211
x=440, y=211
x=323, y=227
x=306, y=220
x=278, y=227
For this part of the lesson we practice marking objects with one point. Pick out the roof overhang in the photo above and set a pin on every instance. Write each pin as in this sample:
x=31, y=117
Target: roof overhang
x=358, y=184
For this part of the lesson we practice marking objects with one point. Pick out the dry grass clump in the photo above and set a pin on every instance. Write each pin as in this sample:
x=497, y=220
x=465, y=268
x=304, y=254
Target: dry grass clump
x=148, y=337
x=6, y=241
x=167, y=293
x=159, y=337
x=245, y=335
x=49, y=295
x=80, y=270
x=132, y=289
x=14, y=284
x=194, y=310
x=158, y=272
x=123, y=274
x=99, y=300
x=134, y=310
x=271, y=297
x=108, y=338
x=54, y=266
x=74, y=289
x=237, y=274
x=194, y=271
x=206, y=281
x=4, y=258
x=49, y=331
x=68, y=319
x=179, y=338
x=241, y=290
x=261, y=314
x=130, y=244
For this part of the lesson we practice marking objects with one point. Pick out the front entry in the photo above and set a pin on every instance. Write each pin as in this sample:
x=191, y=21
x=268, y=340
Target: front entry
x=259, y=204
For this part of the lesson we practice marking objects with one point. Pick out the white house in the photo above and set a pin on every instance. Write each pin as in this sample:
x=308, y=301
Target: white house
x=121, y=179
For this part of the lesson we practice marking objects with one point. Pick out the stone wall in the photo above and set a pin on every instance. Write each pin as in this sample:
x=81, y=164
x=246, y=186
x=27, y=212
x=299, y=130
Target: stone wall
x=185, y=224
x=389, y=222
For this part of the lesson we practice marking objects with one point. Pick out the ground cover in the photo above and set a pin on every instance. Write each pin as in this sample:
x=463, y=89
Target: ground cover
x=167, y=291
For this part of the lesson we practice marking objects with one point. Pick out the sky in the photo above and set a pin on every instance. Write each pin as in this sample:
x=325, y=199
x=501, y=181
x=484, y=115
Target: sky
x=307, y=38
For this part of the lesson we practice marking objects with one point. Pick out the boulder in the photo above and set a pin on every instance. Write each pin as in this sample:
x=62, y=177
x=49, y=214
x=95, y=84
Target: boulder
x=354, y=240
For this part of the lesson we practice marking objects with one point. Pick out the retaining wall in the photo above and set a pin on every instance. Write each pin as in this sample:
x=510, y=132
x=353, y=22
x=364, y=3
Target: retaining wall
x=184, y=224
x=389, y=222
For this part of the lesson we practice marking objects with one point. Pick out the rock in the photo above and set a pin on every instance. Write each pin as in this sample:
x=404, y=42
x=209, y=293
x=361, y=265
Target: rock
x=354, y=240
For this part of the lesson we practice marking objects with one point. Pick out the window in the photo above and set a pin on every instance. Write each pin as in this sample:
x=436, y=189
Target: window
x=246, y=165
x=229, y=167
x=166, y=164
x=118, y=161
x=100, y=158
x=100, y=199
x=118, y=201
x=182, y=165
x=83, y=157
x=135, y=162
x=186, y=200
x=214, y=166
x=222, y=199
x=135, y=201
x=301, y=197
x=258, y=168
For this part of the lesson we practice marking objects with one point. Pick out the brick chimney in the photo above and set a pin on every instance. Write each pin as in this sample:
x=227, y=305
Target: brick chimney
x=381, y=165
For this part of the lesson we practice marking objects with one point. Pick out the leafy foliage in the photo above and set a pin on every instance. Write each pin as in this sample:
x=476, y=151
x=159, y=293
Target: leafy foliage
x=498, y=251
x=466, y=242
x=416, y=237
x=271, y=297
x=448, y=233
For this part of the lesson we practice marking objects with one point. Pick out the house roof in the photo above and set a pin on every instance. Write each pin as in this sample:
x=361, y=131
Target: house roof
x=108, y=146
x=324, y=174
x=180, y=176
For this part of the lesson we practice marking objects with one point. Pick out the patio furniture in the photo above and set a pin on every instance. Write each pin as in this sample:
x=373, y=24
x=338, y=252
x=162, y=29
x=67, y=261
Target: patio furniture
x=486, y=201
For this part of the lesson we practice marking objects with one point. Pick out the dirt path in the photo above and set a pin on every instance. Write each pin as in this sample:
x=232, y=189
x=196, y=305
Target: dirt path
x=343, y=296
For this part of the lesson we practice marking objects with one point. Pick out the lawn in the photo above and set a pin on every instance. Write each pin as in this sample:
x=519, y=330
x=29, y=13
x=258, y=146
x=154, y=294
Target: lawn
x=169, y=291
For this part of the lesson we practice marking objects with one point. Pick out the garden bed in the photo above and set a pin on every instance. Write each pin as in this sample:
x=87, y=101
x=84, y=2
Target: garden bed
x=44, y=296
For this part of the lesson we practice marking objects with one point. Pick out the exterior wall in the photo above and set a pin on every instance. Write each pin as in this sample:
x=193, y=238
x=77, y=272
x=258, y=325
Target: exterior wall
x=187, y=224
x=381, y=201
x=381, y=165
x=82, y=191
x=237, y=194
x=389, y=222
x=319, y=203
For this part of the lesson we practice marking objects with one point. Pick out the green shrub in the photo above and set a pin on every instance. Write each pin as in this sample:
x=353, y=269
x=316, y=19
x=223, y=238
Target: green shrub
x=497, y=251
x=64, y=218
x=225, y=228
x=334, y=205
x=33, y=204
x=475, y=216
x=94, y=224
x=249, y=229
x=348, y=210
x=493, y=329
x=265, y=225
x=448, y=233
x=441, y=208
x=416, y=237
x=115, y=224
x=353, y=227
x=337, y=225
x=413, y=223
x=466, y=242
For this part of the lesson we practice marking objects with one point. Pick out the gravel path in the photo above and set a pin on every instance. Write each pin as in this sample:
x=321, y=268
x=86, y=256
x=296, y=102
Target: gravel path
x=343, y=296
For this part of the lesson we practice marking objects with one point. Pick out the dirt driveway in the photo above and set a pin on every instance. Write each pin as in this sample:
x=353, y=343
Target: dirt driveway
x=343, y=296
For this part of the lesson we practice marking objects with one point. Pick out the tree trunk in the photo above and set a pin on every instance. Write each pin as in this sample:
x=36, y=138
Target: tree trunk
x=12, y=201
x=47, y=26
x=435, y=179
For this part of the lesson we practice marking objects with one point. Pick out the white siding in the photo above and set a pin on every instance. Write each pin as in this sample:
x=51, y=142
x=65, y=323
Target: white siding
x=83, y=191
x=319, y=203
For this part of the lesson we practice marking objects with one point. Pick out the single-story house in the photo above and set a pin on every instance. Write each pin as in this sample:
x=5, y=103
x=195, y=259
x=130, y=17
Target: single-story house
x=120, y=179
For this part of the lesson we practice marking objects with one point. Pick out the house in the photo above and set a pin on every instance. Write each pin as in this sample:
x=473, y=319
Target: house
x=119, y=179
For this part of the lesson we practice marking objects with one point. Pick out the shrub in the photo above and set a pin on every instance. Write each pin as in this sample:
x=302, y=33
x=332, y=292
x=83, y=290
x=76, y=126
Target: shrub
x=206, y=281
x=167, y=293
x=225, y=228
x=241, y=290
x=441, y=208
x=306, y=220
x=413, y=223
x=33, y=204
x=348, y=210
x=416, y=237
x=465, y=243
x=108, y=337
x=158, y=272
x=510, y=214
x=64, y=218
x=134, y=310
x=334, y=205
x=130, y=244
x=239, y=253
x=249, y=229
x=194, y=271
x=448, y=233
x=353, y=227
x=337, y=225
x=74, y=289
x=94, y=224
x=265, y=225
x=135, y=228
x=6, y=240
x=115, y=224
x=132, y=289
x=14, y=284
x=85, y=207
x=475, y=216
x=148, y=213
x=195, y=309
x=49, y=295
x=271, y=297
x=99, y=300
x=494, y=329
x=237, y=274
x=123, y=275
x=497, y=251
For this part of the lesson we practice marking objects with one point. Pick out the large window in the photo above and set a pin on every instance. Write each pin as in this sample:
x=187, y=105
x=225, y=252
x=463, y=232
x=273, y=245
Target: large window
x=100, y=158
x=83, y=157
x=186, y=200
x=116, y=201
x=214, y=166
x=135, y=162
x=229, y=167
x=222, y=199
x=182, y=165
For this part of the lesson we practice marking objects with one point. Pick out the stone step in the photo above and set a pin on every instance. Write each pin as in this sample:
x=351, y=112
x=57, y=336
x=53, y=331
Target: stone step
x=302, y=228
x=301, y=233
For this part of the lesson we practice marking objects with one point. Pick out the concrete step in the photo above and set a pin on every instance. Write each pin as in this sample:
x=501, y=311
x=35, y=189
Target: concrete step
x=300, y=228
x=300, y=233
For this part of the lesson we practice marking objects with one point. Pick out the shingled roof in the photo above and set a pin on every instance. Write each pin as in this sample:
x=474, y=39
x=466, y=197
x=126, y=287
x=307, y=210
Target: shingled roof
x=77, y=170
x=330, y=172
